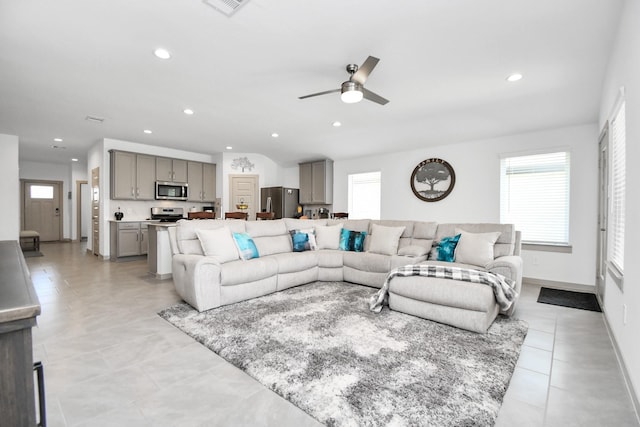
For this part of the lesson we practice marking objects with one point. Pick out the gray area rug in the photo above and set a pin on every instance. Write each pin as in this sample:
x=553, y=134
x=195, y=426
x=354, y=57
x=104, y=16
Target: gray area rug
x=320, y=347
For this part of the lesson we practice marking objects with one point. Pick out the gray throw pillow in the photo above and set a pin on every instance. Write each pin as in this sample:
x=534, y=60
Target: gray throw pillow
x=328, y=237
x=219, y=243
x=476, y=248
x=384, y=240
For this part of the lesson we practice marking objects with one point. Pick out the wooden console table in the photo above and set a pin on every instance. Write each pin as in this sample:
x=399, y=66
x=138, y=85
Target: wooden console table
x=19, y=307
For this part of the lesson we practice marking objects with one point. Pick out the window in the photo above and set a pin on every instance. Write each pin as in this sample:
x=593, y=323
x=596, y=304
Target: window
x=617, y=190
x=534, y=195
x=364, y=195
x=41, y=192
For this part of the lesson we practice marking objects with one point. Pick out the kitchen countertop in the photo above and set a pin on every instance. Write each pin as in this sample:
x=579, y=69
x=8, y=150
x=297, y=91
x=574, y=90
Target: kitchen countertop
x=136, y=220
x=18, y=299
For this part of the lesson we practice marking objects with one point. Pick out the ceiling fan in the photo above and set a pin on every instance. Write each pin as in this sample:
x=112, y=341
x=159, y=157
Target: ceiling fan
x=353, y=89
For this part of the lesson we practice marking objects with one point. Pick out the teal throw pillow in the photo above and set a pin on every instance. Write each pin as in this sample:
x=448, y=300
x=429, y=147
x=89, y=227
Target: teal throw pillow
x=447, y=248
x=352, y=240
x=300, y=241
x=246, y=246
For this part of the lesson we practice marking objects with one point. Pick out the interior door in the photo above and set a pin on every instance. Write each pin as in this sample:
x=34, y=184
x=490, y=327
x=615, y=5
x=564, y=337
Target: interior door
x=42, y=209
x=244, y=190
x=603, y=209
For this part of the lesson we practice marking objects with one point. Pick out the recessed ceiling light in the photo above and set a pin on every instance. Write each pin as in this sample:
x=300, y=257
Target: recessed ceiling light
x=147, y=131
x=229, y=147
x=274, y=135
x=336, y=124
x=514, y=77
x=57, y=139
x=74, y=160
x=162, y=53
x=188, y=111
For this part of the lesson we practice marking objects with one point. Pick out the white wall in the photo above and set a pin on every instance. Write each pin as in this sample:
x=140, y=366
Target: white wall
x=624, y=70
x=10, y=187
x=270, y=174
x=54, y=172
x=476, y=195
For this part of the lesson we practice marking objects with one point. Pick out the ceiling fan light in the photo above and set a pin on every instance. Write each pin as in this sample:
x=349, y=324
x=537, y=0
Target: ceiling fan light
x=351, y=92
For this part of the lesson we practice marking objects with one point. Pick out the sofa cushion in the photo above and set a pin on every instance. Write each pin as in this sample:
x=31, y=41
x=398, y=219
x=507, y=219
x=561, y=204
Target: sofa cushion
x=266, y=228
x=269, y=245
x=384, y=240
x=299, y=224
x=505, y=245
x=475, y=248
x=246, y=247
x=330, y=258
x=328, y=237
x=218, y=242
x=413, y=251
x=296, y=262
x=367, y=261
x=352, y=240
x=240, y=272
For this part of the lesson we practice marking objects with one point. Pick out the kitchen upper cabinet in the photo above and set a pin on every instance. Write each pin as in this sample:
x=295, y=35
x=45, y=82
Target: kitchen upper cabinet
x=132, y=176
x=316, y=182
x=202, y=182
x=172, y=170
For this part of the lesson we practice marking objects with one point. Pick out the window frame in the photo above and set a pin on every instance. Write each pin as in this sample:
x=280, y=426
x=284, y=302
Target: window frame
x=616, y=270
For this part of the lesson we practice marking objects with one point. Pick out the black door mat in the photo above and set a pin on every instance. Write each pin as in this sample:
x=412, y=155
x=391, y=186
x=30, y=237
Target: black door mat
x=581, y=300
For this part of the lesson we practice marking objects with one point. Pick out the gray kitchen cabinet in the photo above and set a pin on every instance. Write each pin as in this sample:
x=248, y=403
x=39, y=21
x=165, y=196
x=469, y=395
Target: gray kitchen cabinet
x=132, y=176
x=128, y=239
x=202, y=182
x=171, y=170
x=316, y=182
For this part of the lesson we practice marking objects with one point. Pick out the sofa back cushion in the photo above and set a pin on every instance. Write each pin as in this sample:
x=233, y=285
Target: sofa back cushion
x=505, y=245
x=384, y=239
x=270, y=237
x=302, y=224
x=219, y=243
x=424, y=233
x=187, y=239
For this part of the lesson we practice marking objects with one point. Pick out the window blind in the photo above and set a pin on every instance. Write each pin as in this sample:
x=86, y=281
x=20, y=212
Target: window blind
x=617, y=190
x=534, y=195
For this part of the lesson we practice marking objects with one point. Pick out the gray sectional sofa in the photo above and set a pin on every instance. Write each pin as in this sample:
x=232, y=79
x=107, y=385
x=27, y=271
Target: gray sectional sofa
x=208, y=271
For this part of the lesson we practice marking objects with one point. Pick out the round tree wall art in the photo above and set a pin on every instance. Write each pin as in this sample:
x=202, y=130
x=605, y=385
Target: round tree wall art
x=432, y=180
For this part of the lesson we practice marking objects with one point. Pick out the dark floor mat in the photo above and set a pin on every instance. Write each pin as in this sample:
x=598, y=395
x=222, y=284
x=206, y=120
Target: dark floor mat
x=31, y=254
x=581, y=300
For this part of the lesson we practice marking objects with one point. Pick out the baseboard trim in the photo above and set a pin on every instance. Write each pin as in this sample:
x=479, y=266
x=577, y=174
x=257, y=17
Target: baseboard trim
x=164, y=276
x=559, y=285
x=623, y=368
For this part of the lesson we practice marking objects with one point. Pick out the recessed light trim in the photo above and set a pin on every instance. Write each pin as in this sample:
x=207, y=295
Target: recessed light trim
x=514, y=77
x=74, y=159
x=57, y=139
x=188, y=111
x=229, y=147
x=336, y=124
x=275, y=135
x=147, y=131
x=162, y=53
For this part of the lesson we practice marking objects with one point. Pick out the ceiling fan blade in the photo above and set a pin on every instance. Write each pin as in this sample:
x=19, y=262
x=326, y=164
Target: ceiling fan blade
x=373, y=97
x=319, y=93
x=365, y=69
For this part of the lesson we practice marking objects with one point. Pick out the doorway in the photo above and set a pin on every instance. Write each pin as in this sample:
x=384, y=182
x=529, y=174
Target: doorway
x=41, y=209
x=603, y=210
x=243, y=190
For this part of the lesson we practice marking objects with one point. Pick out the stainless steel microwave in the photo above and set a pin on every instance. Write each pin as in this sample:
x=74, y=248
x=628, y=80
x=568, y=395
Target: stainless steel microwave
x=171, y=190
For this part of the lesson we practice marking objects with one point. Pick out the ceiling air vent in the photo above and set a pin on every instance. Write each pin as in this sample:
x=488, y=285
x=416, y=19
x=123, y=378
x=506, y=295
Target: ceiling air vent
x=228, y=7
x=94, y=119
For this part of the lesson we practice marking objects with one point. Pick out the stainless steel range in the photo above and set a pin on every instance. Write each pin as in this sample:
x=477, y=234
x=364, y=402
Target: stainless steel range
x=167, y=214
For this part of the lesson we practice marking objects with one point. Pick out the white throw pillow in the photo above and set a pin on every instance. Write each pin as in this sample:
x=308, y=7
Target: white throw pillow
x=476, y=248
x=328, y=237
x=384, y=240
x=219, y=243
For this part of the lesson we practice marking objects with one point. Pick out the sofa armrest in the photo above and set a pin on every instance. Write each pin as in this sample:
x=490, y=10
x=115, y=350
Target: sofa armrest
x=197, y=280
x=511, y=268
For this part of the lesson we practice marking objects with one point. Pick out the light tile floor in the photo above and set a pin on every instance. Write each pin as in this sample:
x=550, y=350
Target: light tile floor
x=111, y=361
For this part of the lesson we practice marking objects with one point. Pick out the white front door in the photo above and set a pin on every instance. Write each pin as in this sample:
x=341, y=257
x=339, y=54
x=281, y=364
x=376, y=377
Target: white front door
x=42, y=209
x=243, y=190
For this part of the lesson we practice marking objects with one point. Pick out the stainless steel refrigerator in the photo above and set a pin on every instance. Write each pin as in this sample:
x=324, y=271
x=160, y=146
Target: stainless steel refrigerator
x=282, y=201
